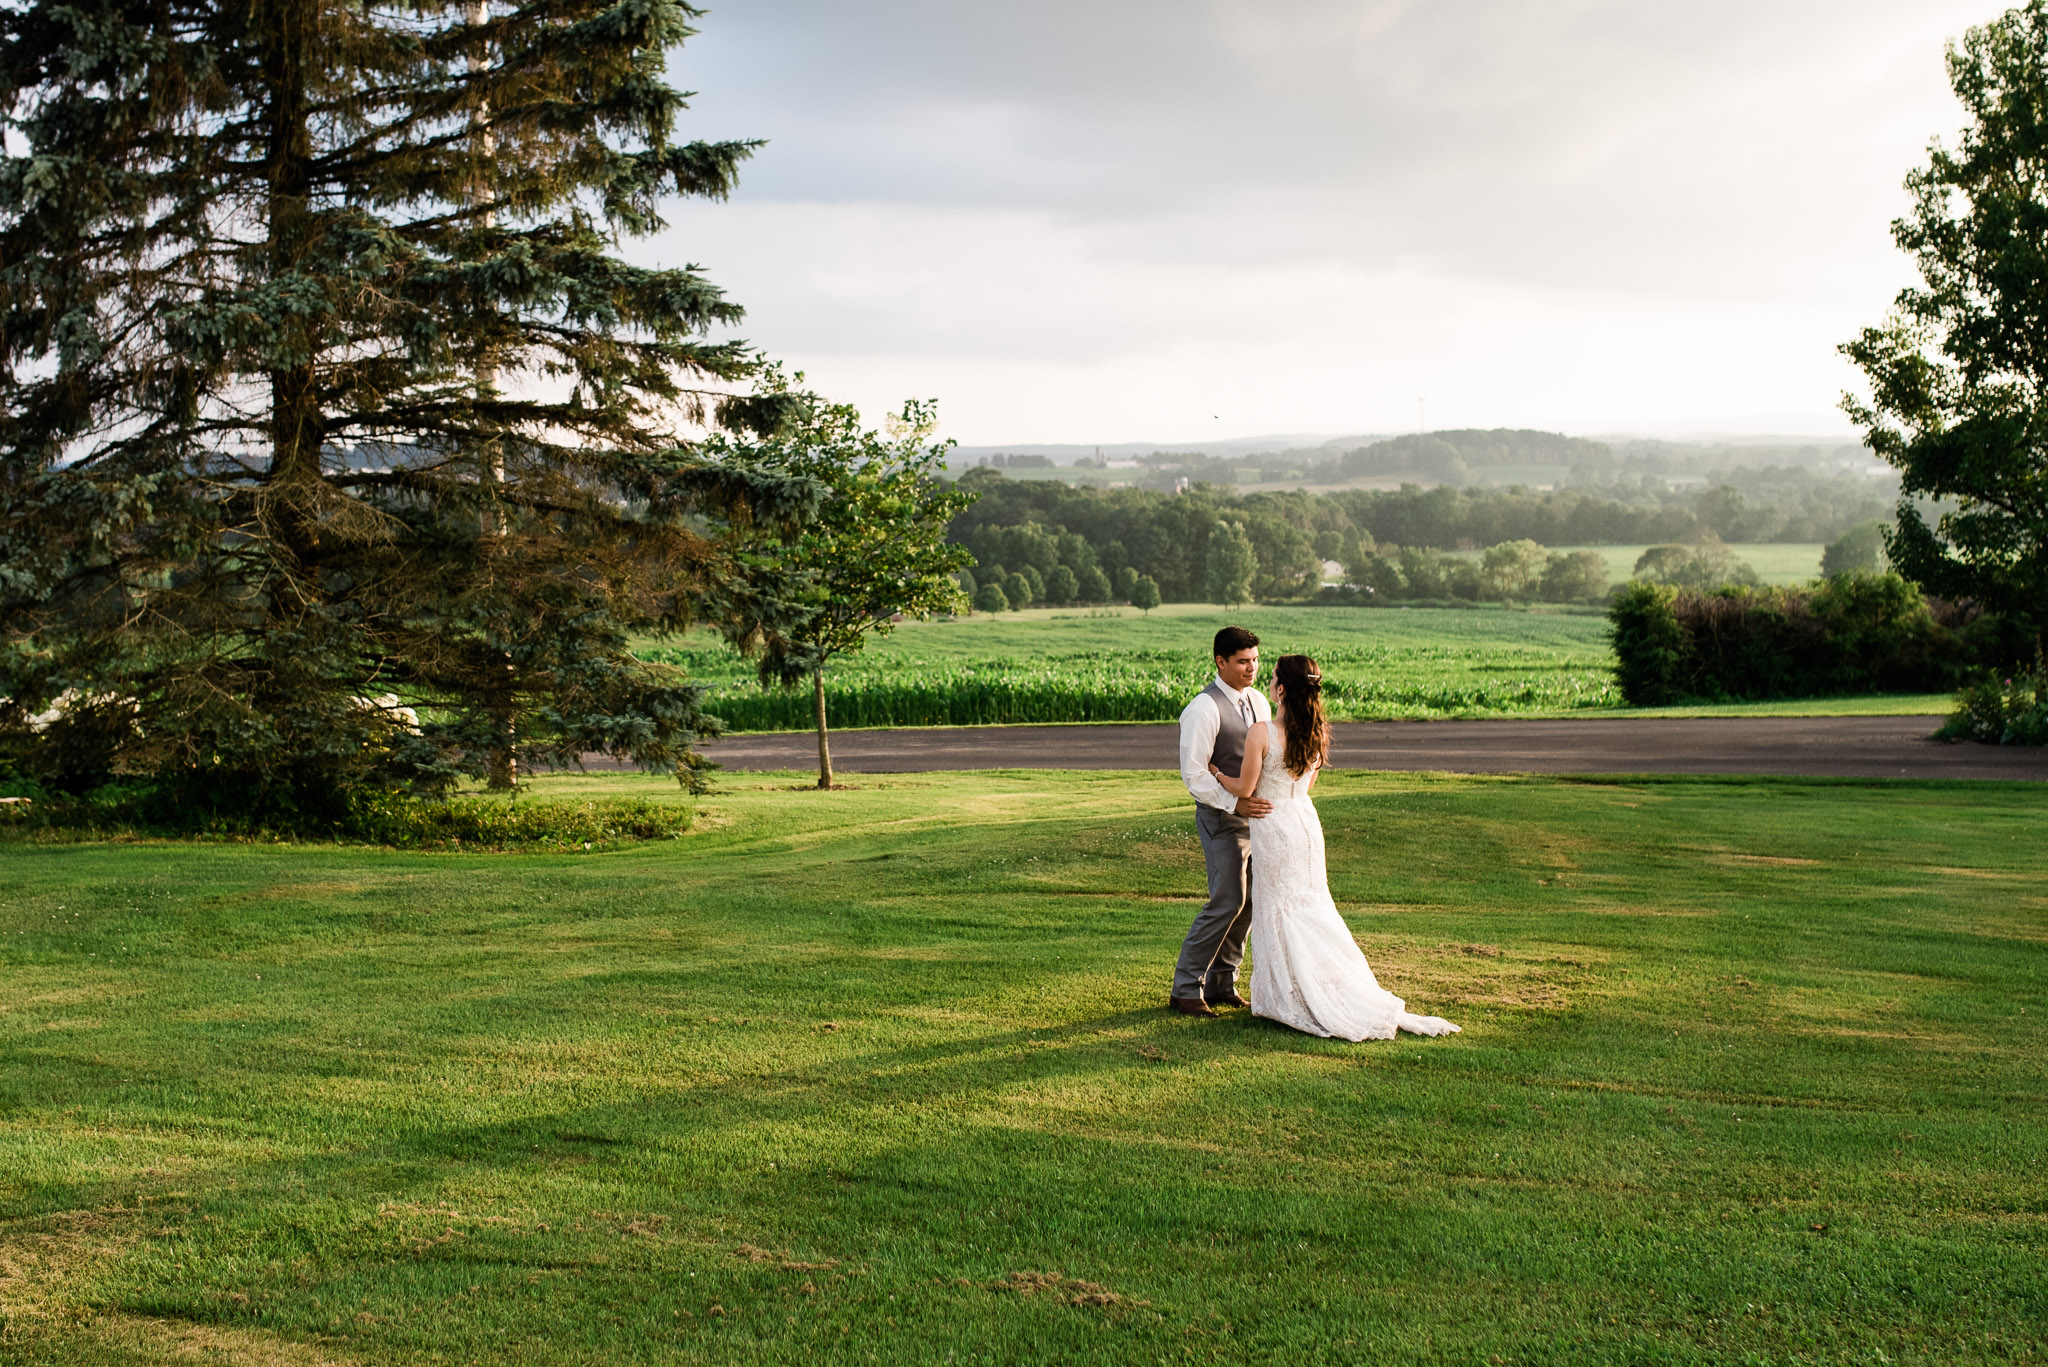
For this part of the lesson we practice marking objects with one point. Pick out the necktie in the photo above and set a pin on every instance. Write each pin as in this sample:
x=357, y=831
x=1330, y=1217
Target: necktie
x=1244, y=709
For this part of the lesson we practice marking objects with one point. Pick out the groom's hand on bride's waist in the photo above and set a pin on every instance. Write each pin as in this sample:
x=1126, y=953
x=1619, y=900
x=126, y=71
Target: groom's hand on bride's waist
x=1253, y=806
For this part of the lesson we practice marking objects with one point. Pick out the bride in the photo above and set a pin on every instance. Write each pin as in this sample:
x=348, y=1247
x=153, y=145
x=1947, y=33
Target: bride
x=1307, y=971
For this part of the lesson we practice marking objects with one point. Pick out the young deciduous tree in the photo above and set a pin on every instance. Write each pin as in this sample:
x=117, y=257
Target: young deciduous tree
x=320, y=379
x=875, y=551
x=1959, y=374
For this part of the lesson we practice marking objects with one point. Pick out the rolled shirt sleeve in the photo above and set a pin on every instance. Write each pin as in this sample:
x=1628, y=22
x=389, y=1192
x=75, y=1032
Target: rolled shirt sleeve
x=1198, y=727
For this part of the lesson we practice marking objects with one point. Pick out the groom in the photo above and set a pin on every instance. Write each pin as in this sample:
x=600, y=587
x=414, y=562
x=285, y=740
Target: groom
x=1212, y=732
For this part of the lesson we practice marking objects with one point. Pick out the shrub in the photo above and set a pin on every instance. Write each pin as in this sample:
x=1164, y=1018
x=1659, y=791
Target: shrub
x=1649, y=644
x=1854, y=633
x=1882, y=634
x=2012, y=710
x=387, y=817
x=498, y=823
x=71, y=746
x=991, y=598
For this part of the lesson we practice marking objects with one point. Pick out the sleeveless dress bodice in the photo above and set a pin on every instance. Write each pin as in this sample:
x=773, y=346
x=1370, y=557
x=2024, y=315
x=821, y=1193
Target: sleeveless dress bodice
x=1275, y=783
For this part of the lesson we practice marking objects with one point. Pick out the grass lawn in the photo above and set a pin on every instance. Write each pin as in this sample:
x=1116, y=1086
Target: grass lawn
x=1752, y=1071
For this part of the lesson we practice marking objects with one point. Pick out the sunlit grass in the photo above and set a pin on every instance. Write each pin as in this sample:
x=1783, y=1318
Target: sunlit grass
x=1750, y=1069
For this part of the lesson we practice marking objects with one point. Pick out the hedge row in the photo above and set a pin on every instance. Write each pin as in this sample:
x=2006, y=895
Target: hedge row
x=467, y=822
x=1853, y=633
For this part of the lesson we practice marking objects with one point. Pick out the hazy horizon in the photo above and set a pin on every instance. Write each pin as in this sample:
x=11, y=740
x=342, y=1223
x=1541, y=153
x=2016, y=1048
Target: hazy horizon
x=1282, y=441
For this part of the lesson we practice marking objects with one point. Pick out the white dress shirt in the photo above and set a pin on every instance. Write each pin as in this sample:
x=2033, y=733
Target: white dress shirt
x=1199, y=724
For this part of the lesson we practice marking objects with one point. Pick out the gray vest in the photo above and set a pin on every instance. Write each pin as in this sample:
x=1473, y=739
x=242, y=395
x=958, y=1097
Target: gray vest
x=1229, y=752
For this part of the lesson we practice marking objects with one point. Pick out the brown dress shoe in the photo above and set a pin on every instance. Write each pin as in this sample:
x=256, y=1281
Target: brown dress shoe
x=1234, y=999
x=1190, y=1006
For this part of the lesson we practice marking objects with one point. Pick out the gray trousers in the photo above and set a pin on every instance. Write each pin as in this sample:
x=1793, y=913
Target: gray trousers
x=1215, y=945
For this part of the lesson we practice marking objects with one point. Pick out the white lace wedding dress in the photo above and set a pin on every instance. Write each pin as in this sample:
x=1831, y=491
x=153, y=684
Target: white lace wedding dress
x=1307, y=971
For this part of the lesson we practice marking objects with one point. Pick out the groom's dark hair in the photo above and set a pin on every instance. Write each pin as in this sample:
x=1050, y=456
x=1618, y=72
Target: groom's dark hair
x=1230, y=640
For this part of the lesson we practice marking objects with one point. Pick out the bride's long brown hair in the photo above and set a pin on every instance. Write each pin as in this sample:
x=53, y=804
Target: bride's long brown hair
x=1305, y=732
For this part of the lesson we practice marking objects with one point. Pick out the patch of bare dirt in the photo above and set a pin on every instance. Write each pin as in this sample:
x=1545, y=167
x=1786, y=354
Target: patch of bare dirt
x=783, y=1260
x=151, y=1340
x=1442, y=978
x=1065, y=1290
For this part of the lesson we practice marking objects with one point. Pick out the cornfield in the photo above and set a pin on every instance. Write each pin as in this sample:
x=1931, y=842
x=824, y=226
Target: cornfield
x=1358, y=684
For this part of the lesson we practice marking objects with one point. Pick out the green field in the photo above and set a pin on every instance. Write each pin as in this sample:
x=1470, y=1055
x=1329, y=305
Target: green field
x=1115, y=664
x=1751, y=1072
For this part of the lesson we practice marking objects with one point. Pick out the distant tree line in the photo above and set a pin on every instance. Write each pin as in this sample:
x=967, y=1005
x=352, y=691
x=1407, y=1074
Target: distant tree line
x=1450, y=457
x=1461, y=456
x=1042, y=541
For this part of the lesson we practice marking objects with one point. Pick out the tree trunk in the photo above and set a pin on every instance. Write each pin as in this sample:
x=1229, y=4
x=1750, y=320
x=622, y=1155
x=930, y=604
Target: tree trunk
x=504, y=771
x=295, y=419
x=504, y=707
x=824, y=746
x=504, y=776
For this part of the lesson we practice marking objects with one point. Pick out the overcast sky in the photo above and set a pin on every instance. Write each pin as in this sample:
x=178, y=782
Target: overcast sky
x=1166, y=220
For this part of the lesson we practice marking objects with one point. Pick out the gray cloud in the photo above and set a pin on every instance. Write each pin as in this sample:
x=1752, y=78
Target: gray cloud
x=1687, y=155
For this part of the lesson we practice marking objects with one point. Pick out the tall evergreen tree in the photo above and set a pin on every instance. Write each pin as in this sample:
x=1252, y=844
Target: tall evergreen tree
x=321, y=378
x=1959, y=375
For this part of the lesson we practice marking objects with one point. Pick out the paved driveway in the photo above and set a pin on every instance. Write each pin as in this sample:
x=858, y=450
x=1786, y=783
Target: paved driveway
x=1850, y=747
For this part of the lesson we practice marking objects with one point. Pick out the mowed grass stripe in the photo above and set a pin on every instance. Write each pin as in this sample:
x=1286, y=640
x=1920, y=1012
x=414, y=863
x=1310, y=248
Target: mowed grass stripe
x=1747, y=1070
